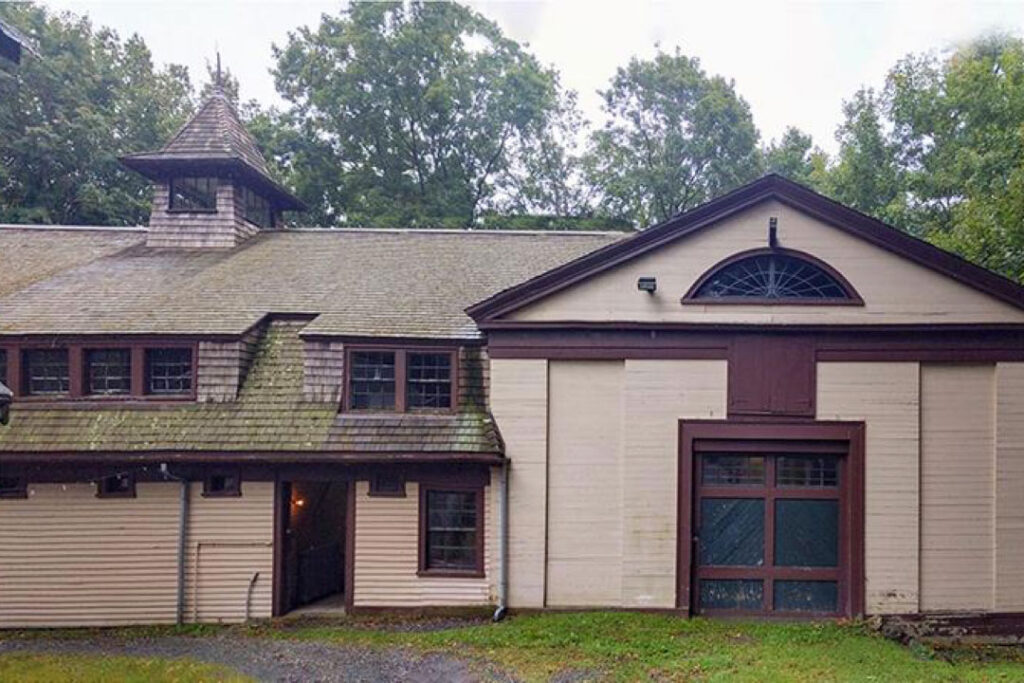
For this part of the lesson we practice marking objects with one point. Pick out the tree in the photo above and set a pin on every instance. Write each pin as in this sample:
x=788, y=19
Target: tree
x=675, y=138
x=408, y=114
x=795, y=157
x=67, y=115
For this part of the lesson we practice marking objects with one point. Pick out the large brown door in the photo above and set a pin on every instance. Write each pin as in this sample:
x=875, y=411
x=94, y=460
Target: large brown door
x=770, y=524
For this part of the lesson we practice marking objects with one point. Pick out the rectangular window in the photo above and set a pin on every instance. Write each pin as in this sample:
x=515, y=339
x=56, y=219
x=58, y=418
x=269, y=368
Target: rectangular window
x=13, y=487
x=193, y=194
x=222, y=484
x=46, y=372
x=373, y=380
x=257, y=209
x=168, y=371
x=451, y=531
x=116, y=486
x=108, y=371
x=429, y=381
x=820, y=471
x=387, y=485
x=732, y=470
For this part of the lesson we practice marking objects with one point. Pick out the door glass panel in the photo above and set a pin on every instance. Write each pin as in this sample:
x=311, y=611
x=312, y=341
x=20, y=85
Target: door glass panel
x=820, y=471
x=806, y=533
x=732, y=531
x=806, y=596
x=732, y=470
x=731, y=594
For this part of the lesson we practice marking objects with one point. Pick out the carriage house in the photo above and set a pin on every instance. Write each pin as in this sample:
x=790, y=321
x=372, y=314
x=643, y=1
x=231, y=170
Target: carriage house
x=769, y=405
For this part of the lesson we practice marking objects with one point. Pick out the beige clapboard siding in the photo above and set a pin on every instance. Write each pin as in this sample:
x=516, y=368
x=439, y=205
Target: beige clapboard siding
x=1009, y=519
x=957, y=486
x=519, y=402
x=68, y=558
x=585, y=462
x=894, y=289
x=886, y=397
x=232, y=540
x=387, y=556
x=658, y=394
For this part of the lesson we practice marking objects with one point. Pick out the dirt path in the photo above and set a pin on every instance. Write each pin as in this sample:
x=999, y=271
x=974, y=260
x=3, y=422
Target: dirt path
x=277, y=660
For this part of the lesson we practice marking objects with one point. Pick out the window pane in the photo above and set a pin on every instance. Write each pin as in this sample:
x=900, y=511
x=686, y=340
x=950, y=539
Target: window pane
x=372, y=380
x=46, y=371
x=193, y=194
x=257, y=209
x=168, y=371
x=731, y=594
x=451, y=530
x=732, y=531
x=806, y=533
x=732, y=469
x=806, y=596
x=108, y=371
x=821, y=471
x=429, y=380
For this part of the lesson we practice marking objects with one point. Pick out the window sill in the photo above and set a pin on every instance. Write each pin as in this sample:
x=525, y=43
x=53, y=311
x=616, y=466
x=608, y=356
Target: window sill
x=452, y=573
x=188, y=211
x=222, y=494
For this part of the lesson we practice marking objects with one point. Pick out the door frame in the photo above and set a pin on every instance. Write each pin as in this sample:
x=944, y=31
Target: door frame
x=772, y=435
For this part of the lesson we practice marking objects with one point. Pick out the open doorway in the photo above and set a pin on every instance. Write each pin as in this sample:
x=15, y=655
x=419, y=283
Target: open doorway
x=314, y=545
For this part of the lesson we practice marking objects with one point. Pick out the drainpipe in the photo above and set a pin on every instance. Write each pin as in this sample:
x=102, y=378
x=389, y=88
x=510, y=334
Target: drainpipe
x=500, y=613
x=182, y=541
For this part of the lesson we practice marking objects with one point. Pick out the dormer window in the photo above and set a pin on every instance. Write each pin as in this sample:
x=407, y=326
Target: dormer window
x=46, y=372
x=401, y=380
x=169, y=371
x=193, y=194
x=108, y=372
x=257, y=209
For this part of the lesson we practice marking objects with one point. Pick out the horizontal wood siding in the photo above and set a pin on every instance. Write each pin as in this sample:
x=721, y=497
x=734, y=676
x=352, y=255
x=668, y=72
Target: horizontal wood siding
x=387, y=556
x=324, y=371
x=230, y=545
x=957, y=487
x=519, y=402
x=68, y=558
x=585, y=463
x=886, y=397
x=1009, y=522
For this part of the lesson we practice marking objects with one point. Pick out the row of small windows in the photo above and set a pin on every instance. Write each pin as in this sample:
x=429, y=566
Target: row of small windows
x=105, y=372
x=199, y=195
x=123, y=486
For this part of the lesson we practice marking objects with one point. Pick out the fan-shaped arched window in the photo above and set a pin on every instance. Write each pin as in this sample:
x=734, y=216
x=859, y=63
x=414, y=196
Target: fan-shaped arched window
x=772, y=276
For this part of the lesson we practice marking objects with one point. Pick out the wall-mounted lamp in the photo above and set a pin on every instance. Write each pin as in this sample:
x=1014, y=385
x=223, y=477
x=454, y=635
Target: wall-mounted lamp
x=773, y=232
x=647, y=284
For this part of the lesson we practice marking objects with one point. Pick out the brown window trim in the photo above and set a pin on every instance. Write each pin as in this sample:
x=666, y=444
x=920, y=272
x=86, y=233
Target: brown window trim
x=103, y=492
x=231, y=492
x=852, y=298
x=17, y=492
x=78, y=386
x=379, y=490
x=478, y=571
x=401, y=381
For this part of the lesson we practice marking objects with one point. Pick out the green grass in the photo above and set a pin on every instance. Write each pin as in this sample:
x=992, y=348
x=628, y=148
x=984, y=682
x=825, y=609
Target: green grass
x=629, y=646
x=37, y=668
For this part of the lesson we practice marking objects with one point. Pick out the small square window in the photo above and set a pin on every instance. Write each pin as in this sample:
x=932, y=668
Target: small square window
x=46, y=372
x=429, y=381
x=222, y=484
x=108, y=371
x=13, y=487
x=372, y=385
x=116, y=486
x=168, y=371
x=387, y=485
x=193, y=194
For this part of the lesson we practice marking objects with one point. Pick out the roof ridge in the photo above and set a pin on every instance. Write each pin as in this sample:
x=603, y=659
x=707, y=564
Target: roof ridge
x=451, y=231
x=44, y=227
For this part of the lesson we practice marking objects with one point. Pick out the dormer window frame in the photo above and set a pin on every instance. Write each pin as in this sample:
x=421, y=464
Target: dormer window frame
x=401, y=356
x=13, y=373
x=172, y=180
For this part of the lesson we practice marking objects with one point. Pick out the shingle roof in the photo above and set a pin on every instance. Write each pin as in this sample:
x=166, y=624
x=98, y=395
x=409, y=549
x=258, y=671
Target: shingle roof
x=392, y=283
x=270, y=415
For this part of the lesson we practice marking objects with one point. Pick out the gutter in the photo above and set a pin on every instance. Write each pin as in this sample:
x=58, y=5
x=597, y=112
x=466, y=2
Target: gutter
x=502, y=609
x=182, y=541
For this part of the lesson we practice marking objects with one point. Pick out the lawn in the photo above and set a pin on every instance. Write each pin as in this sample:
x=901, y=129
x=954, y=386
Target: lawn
x=629, y=646
x=37, y=668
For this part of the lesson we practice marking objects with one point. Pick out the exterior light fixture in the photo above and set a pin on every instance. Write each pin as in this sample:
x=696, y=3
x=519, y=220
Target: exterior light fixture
x=647, y=284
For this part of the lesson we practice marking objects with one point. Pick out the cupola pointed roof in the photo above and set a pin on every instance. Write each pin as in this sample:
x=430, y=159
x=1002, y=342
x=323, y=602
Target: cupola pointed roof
x=214, y=141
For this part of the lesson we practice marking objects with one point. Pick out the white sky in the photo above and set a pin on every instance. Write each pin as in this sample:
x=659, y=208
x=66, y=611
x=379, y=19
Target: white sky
x=794, y=62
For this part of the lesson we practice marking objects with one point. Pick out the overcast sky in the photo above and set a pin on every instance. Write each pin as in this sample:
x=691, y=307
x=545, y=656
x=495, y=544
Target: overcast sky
x=794, y=62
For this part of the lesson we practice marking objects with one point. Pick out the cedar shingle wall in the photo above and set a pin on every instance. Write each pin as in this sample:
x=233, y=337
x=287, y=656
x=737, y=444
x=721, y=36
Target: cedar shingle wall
x=224, y=228
x=324, y=365
x=223, y=367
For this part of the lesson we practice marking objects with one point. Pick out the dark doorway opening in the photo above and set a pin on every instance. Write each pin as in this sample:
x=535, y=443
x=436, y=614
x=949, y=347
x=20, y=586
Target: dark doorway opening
x=314, y=543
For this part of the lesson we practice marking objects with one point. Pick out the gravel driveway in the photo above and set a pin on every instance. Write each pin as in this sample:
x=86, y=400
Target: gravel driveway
x=276, y=660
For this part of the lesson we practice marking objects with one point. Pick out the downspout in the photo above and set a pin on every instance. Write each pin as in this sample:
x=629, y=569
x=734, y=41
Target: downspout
x=182, y=541
x=502, y=609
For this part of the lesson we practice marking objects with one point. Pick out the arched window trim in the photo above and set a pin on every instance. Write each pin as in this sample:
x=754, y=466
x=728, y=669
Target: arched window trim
x=851, y=298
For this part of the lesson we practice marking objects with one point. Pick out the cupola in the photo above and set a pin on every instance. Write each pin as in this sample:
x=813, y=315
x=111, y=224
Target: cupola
x=212, y=187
